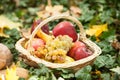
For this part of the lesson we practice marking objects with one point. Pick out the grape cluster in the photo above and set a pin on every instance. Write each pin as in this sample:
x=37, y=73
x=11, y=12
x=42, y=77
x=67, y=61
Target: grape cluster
x=55, y=50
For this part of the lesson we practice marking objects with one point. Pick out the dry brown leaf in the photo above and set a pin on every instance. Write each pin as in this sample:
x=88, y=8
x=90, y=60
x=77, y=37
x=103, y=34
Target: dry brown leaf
x=116, y=44
x=50, y=11
x=25, y=32
x=75, y=11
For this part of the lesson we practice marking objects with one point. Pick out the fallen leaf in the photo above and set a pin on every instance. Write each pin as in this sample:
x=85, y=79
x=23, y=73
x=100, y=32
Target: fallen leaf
x=11, y=73
x=117, y=69
x=75, y=11
x=96, y=30
x=2, y=34
x=51, y=11
x=25, y=32
x=116, y=44
x=7, y=23
x=60, y=78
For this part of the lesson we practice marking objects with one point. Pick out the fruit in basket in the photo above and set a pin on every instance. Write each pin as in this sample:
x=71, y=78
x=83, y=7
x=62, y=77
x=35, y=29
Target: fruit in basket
x=68, y=59
x=44, y=28
x=36, y=43
x=79, y=44
x=55, y=50
x=45, y=37
x=79, y=51
x=65, y=28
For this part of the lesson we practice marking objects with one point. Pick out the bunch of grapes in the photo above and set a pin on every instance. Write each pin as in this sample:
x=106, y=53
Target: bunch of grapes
x=55, y=50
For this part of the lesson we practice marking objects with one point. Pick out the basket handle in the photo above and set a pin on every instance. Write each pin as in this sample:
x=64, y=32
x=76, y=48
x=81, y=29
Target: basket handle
x=62, y=16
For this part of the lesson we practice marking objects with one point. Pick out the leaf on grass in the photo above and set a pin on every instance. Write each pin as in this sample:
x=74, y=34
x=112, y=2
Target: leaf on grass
x=53, y=76
x=75, y=11
x=65, y=73
x=87, y=14
x=33, y=77
x=96, y=30
x=84, y=73
x=105, y=46
x=104, y=60
x=116, y=44
x=7, y=23
x=60, y=78
x=67, y=76
x=108, y=35
x=106, y=16
x=116, y=70
x=11, y=73
x=25, y=32
x=105, y=76
x=51, y=10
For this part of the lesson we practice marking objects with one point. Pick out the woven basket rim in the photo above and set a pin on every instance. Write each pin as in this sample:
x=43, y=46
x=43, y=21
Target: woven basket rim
x=57, y=65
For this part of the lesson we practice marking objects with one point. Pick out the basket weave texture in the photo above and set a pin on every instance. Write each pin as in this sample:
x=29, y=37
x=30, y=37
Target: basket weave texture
x=72, y=65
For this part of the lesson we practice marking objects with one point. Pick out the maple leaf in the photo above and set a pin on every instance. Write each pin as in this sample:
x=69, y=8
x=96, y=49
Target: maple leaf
x=7, y=23
x=96, y=30
x=11, y=73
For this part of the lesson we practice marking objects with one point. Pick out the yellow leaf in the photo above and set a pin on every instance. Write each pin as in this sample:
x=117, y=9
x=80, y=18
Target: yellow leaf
x=2, y=34
x=11, y=73
x=96, y=30
x=7, y=23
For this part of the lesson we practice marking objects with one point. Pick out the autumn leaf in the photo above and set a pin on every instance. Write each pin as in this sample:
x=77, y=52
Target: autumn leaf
x=75, y=11
x=96, y=30
x=51, y=11
x=11, y=73
x=117, y=69
x=7, y=23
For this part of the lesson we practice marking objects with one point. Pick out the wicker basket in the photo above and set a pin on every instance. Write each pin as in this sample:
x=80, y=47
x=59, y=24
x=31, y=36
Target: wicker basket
x=72, y=65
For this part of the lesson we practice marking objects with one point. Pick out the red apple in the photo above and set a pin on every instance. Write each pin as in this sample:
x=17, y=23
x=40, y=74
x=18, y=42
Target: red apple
x=79, y=51
x=65, y=28
x=37, y=43
x=76, y=45
x=44, y=28
x=79, y=43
